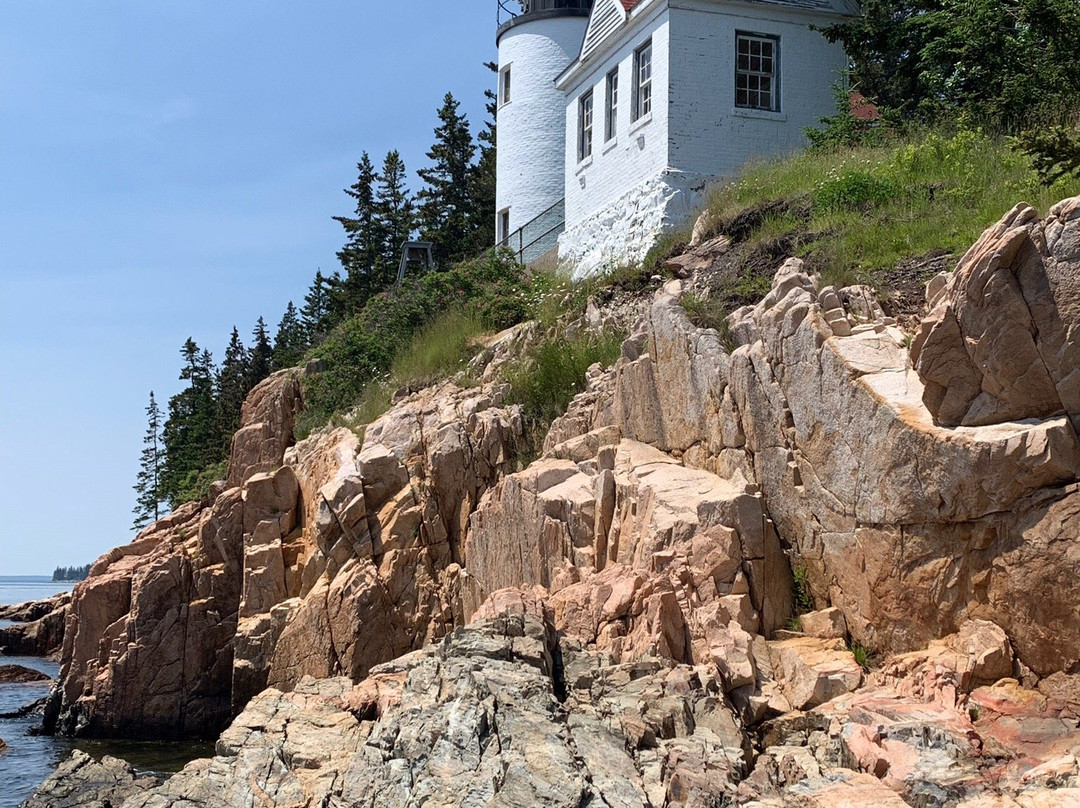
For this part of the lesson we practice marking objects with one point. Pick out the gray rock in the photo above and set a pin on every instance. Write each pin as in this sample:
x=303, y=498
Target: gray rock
x=82, y=782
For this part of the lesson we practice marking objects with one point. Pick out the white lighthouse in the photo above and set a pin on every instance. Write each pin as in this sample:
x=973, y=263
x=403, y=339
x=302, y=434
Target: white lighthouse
x=537, y=40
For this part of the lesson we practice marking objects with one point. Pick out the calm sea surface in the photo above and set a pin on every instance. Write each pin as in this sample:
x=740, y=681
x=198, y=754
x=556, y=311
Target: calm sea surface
x=30, y=759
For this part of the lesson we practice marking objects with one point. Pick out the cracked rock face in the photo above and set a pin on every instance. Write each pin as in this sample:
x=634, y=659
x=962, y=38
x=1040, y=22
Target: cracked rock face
x=486, y=717
x=1001, y=343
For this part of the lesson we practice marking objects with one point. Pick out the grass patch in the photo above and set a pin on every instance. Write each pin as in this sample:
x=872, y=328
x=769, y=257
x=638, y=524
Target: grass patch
x=436, y=352
x=493, y=290
x=862, y=210
x=706, y=312
x=804, y=601
x=863, y=655
x=553, y=372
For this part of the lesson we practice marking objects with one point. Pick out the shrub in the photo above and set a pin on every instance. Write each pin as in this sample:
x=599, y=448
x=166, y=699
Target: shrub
x=553, y=372
x=804, y=601
x=490, y=292
x=854, y=190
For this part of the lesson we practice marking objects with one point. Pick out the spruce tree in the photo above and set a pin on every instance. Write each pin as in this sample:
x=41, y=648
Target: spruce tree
x=289, y=342
x=482, y=179
x=361, y=254
x=191, y=436
x=319, y=314
x=149, y=496
x=444, y=210
x=396, y=215
x=261, y=357
x=232, y=385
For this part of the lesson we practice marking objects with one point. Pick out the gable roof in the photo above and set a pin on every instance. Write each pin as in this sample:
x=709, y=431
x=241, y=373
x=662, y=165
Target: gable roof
x=606, y=17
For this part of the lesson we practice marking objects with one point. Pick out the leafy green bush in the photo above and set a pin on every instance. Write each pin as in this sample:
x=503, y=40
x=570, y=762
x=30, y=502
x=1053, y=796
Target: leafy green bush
x=491, y=292
x=855, y=190
x=196, y=485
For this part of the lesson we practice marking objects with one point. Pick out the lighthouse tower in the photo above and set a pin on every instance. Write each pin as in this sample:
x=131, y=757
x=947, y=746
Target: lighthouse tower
x=536, y=41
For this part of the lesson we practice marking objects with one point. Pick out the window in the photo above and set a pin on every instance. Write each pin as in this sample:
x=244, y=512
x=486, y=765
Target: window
x=585, y=118
x=757, y=82
x=504, y=86
x=643, y=80
x=503, y=226
x=612, y=105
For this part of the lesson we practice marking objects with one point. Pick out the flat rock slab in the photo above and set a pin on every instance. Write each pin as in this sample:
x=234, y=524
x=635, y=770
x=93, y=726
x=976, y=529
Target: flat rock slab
x=17, y=674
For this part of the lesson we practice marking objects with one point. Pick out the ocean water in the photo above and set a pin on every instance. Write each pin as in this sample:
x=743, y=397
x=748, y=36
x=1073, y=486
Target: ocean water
x=29, y=758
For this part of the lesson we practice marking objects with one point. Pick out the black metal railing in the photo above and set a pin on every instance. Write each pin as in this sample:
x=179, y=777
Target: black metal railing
x=509, y=9
x=538, y=236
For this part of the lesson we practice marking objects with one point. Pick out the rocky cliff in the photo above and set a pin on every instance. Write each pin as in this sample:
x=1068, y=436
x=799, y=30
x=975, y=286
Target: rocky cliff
x=923, y=487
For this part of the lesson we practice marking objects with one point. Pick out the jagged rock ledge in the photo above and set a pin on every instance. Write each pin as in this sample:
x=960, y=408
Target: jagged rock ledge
x=655, y=534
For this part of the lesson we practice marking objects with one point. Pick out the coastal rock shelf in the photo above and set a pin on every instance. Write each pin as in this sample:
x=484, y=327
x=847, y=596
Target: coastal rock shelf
x=419, y=617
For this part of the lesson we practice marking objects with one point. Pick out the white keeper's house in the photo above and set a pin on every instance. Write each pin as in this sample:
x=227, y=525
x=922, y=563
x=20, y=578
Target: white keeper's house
x=616, y=115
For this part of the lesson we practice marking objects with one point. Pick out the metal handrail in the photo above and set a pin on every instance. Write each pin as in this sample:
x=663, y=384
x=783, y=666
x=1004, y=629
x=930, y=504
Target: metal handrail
x=521, y=248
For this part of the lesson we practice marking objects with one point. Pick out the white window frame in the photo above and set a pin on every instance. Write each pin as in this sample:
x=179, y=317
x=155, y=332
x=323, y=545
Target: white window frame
x=504, y=86
x=642, y=106
x=585, y=125
x=611, y=104
x=754, y=70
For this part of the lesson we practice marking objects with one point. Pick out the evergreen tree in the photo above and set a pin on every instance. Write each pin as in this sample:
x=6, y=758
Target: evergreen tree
x=445, y=210
x=289, y=342
x=192, y=440
x=232, y=386
x=482, y=179
x=261, y=357
x=360, y=257
x=149, y=496
x=396, y=216
x=319, y=314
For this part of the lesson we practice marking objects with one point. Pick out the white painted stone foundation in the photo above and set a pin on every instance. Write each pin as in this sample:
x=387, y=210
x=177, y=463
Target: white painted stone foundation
x=624, y=231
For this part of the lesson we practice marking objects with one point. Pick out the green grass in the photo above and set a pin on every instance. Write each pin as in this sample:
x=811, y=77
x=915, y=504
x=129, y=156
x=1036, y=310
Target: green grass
x=436, y=352
x=866, y=209
x=553, y=371
x=863, y=655
x=804, y=601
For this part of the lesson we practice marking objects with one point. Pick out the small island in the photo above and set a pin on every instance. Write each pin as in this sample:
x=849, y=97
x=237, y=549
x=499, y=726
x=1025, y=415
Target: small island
x=73, y=574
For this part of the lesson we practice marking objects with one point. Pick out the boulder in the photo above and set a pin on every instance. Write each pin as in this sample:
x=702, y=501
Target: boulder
x=266, y=426
x=827, y=624
x=812, y=671
x=18, y=674
x=1000, y=345
x=83, y=782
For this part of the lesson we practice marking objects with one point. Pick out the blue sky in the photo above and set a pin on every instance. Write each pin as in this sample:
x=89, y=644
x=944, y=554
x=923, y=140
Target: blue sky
x=170, y=169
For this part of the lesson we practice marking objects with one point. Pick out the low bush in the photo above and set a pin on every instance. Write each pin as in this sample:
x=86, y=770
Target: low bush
x=492, y=292
x=553, y=371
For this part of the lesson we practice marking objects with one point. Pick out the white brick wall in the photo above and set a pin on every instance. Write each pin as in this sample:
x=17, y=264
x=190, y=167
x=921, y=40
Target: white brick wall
x=530, y=167
x=708, y=135
x=651, y=177
x=639, y=151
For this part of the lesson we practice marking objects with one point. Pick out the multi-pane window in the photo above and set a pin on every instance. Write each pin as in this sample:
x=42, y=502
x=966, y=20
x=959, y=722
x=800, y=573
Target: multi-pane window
x=612, y=105
x=757, y=60
x=504, y=85
x=585, y=122
x=643, y=81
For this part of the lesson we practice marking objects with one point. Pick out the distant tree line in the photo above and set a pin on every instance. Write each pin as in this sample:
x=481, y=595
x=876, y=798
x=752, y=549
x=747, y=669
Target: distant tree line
x=71, y=573
x=186, y=447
